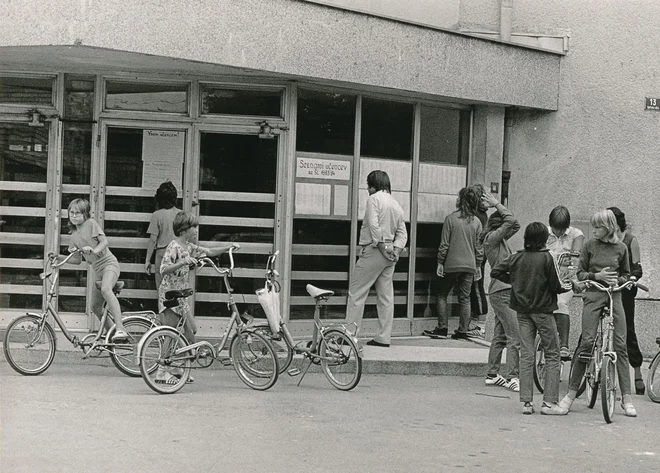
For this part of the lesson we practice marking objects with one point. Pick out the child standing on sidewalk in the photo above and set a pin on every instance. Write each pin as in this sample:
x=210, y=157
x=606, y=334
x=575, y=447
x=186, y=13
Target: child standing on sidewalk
x=501, y=226
x=535, y=283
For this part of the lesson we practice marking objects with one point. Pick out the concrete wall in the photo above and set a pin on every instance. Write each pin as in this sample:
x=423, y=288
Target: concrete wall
x=299, y=39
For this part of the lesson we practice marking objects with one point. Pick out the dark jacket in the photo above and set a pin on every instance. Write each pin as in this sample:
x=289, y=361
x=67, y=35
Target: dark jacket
x=534, y=280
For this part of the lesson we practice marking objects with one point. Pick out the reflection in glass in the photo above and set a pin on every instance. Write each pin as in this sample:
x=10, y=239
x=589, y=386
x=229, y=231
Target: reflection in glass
x=79, y=97
x=241, y=102
x=387, y=129
x=444, y=136
x=237, y=163
x=23, y=152
x=26, y=90
x=167, y=98
x=77, y=153
x=326, y=122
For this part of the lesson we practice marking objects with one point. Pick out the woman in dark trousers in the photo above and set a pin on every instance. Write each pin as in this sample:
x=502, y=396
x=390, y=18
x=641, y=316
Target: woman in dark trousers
x=628, y=297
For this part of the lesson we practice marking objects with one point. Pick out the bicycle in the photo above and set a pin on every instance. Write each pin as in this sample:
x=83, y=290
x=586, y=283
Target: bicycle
x=30, y=342
x=539, y=353
x=332, y=347
x=601, y=373
x=653, y=378
x=165, y=349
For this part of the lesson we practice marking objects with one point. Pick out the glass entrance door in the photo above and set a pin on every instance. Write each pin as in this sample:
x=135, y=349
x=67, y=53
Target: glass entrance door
x=136, y=159
x=235, y=200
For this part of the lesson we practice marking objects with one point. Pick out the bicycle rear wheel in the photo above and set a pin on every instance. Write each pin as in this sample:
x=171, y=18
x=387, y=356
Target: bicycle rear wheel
x=254, y=360
x=539, y=364
x=608, y=388
x=124, y=354
x=340, y=360
x=29, y=345
x=653, y=379
x=164, y=371
x=283, y=351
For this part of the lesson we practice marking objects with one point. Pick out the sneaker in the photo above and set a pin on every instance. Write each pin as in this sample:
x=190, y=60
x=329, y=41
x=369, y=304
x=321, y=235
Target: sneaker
x=566, y=403
x=436, y=333
x=553, y=409
x=564, y=354
x=528, y=408
x=475, y=331
x=459, y=335
x=119, y=336
x=498, y=380
x=513, y=385
x=629, y=409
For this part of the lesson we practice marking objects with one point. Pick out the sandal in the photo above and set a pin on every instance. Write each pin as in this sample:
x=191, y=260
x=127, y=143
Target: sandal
x=640, y=389
x=171, y=380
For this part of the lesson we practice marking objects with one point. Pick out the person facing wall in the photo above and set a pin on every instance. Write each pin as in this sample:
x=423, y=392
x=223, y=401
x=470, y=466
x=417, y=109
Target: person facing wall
x=382, y=238
x=160, y=228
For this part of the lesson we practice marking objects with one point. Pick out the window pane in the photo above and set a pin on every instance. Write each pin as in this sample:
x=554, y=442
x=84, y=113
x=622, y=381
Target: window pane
x=79, y=97
x=444, y=136
x=241, y=102
x=238, y=163
x=37, y=91
x=23, y=153
x=77, y=153
x=326, y=122
x=168, y=98
x=387, y=129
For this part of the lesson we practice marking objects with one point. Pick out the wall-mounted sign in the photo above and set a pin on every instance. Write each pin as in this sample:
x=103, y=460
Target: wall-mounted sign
x=312, y=168
x=162, y=157
x=652, y=103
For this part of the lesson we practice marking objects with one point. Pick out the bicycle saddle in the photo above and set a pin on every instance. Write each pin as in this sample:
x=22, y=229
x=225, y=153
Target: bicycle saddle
x=315, y=292
x=176, y=294
x=119, y=285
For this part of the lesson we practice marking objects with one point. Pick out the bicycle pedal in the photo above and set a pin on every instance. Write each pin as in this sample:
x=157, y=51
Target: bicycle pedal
x=226, y=361
x=293, y=372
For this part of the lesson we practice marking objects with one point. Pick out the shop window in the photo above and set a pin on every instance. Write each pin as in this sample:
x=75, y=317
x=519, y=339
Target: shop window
x=26, y=90
x=124, y=161
x=326, y=122
x=223, y=101
x=77, y=153
x=139, y=96
x=444, y=136
x=387, y=129
x=79, y=97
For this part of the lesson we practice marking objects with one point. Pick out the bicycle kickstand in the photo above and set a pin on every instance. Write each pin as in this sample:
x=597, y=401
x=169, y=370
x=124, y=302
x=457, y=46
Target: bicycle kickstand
x=309, y=363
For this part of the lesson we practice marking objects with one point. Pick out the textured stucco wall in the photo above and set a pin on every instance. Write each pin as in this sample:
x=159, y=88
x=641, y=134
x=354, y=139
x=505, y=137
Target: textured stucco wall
x=298, y=38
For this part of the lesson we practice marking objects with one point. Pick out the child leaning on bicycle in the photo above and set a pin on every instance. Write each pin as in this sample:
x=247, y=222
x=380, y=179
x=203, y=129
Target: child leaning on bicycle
x=604, y=259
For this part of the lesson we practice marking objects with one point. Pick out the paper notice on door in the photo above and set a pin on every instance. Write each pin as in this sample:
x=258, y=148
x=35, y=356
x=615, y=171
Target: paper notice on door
x=312, y=199
x=162, y=157
x=341, y=201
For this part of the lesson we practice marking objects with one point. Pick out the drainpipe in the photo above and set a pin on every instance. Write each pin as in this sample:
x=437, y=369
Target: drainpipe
x=506, y=15
x=506, y=143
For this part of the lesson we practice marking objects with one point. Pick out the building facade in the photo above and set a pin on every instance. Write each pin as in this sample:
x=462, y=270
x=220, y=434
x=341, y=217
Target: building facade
x=268, y=115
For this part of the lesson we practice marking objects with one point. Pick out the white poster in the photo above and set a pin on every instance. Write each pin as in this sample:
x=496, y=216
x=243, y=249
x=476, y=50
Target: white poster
x=162, y=157
x=312, y=199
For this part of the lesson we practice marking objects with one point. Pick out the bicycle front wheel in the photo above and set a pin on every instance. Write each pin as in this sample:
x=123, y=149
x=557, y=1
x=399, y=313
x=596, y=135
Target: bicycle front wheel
x=283, y=351
x=162, y=369
x=29, y=345
x=254, y=360
x=539, y=364
x=653, y=379
x=592, y=382
x=124, y=354
x=608, y=388
x=340, y=360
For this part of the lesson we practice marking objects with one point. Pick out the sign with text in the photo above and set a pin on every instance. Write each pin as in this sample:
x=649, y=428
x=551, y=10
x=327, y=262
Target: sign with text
x=652, y=103
x=313, y=168
x=162, y=157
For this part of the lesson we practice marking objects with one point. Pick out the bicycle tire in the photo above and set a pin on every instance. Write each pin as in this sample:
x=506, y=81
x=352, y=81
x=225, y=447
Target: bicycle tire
x=254, y=360
x=592, y=383
x=583, y=383
x=608, y=388
x=124, y=355
x=344, y=368
x=539, y=364
x=653, y=379
x=283, y=351
x=156, y=361
x=25, y=354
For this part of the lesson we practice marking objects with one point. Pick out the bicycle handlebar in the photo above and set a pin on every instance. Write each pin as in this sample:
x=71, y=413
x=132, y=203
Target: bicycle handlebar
x=626, y=285
x=205, y=260
x=52, y=257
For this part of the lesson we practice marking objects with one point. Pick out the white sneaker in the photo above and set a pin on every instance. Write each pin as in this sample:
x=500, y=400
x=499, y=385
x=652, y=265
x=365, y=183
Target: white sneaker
x=513, y=385
x=566, y=403
x=475, y=331
x=498, y=380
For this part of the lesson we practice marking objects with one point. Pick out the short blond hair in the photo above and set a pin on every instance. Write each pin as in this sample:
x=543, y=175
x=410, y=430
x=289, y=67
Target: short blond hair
x=606, y=219
x=183, y=221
